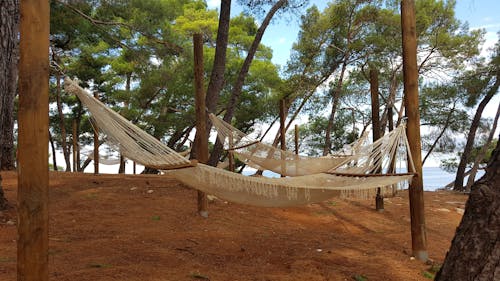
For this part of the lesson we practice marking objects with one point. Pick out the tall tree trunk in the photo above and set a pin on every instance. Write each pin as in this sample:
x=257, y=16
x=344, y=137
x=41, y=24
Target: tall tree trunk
x=375, y=104
x=464, y=159
x=128, y=80
x=387, y=119
x=217, y=77
x=121, y=168
x=335, y=102
x=64, y=143
x=482, y=152
x=53, y=147
x=9, y=50
x=216, y=82
x=240, y=80
x=475, y=250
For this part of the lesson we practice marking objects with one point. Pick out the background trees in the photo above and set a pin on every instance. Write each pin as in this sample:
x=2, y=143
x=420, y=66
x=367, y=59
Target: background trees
x=137, y=57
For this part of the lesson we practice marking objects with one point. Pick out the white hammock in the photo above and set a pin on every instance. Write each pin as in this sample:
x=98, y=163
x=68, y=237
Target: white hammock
x=263, y=156
x=284, y=192
x=347, y=180
x=125, y=137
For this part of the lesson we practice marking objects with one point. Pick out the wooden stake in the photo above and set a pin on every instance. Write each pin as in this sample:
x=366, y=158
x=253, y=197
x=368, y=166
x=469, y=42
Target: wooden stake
x=134, y=168
x=201, y=138
x=282, y=105
x=410, y=75
x=96, y=144
x=33, y=175
x=75, y=150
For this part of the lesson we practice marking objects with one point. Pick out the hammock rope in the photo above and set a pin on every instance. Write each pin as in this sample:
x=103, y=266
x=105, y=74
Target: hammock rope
x=351, y=178
x=125, y=137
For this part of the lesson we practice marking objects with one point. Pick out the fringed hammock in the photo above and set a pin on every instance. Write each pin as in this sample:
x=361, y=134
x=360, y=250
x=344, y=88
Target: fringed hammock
x=348, y=179
x=267, y=157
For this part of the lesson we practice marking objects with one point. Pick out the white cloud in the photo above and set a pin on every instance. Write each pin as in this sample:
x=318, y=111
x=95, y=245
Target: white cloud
x=490, y=39
x=282, y=40
x=488, y=26
x=213, y=4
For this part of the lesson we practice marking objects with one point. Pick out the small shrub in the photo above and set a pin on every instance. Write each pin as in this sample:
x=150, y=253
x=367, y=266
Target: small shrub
x=359, y=277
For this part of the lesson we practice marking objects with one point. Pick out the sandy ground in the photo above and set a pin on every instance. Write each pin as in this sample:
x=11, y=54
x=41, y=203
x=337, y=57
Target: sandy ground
x=116, y=227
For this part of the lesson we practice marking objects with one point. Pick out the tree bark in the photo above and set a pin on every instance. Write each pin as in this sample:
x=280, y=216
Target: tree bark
x=9, y=48
x=475, y=250
x=216, y=82
x=217, y=77
x=62, y=126
x=240, y=80
x=96, y=144
x=375, y=104
x=482, y=152
x=9, y=27
x=410, y=75
x=459, y=179
x=121, y=167
x=53, y=147
x=201, y=137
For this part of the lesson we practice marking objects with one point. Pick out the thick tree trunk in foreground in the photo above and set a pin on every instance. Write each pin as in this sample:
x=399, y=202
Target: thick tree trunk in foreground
x=475, y=250
x=9, y=27
x=9, y=24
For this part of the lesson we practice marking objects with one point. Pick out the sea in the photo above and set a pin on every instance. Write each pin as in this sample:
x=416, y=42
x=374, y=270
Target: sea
x=436, y=178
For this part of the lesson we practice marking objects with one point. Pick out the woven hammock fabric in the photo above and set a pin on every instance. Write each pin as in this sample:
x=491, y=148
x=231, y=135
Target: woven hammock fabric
x=263, y=156
x=143, y=148
x=359, y=157
x=283, y=192
x=125, y=137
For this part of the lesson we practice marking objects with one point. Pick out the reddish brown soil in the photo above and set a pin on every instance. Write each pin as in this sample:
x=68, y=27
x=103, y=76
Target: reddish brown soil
x=111, y=227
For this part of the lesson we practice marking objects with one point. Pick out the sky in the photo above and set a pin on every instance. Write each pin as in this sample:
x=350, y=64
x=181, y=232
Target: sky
x=282, y=33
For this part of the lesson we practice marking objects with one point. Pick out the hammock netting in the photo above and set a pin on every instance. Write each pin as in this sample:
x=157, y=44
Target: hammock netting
x=348, y=175
x=267, y=157
x=125, y=137
x=360, y=157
